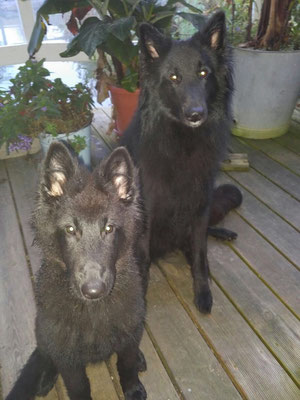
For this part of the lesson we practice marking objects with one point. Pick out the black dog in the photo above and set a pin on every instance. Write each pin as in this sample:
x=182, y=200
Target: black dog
x=90, y=290
x=178, y=138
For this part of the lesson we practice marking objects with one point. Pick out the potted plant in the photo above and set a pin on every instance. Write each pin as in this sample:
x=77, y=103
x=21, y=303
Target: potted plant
x=113, y=33
x=35, y=106
x=267, y=65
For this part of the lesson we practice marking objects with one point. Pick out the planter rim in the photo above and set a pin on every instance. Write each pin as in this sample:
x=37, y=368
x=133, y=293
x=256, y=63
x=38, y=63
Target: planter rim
x=66, y=134
x=121, y=90
x=251, y=50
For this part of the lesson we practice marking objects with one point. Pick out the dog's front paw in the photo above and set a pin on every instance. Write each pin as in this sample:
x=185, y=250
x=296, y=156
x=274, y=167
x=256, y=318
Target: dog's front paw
x=203, y=301
x=137, y=392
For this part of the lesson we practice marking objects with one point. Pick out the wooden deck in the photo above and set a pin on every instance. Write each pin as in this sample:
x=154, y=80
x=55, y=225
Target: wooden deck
x=248, y=348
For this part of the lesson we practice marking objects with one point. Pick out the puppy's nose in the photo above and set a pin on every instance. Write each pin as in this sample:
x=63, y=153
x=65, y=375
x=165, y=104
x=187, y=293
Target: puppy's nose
x=195, y=114
x=93, y=289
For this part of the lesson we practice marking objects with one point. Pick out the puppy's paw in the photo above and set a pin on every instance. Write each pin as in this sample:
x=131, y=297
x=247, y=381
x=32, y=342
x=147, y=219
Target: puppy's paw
x=141, y=364
x=204, y=301
x=137, y=392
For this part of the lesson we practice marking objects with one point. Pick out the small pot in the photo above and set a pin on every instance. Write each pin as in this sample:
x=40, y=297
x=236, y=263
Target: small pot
x=125, y=104
x=85, y=154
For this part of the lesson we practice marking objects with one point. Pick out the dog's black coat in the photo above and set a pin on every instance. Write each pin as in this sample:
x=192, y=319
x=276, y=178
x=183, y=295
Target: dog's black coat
x=178, y=137
x=90, y=289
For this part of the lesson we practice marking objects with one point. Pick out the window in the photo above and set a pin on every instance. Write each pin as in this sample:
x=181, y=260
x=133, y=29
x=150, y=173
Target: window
x=17, y=19
x=11, y=27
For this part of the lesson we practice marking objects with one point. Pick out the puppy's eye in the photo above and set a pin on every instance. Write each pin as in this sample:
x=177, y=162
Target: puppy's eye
x=108, y=229
x=70, y=230
x=175, y=78
x=203, y=73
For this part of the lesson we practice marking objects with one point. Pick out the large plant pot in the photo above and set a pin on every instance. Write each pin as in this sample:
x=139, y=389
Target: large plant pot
x=35, y=147
x=267, y=85
x=125, y=104
x=85, y=154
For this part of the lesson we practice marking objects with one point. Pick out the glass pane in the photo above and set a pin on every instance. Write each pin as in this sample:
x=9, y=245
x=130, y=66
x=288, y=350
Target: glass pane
x=11, y=28
x=57, y=30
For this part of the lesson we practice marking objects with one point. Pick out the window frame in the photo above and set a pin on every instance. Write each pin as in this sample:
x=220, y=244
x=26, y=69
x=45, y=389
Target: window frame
x=17, y=54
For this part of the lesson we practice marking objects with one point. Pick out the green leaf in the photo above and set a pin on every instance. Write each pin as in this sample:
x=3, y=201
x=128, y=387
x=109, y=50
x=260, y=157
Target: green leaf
x=197, y=20
x=121, y=28
x=191, y=7
x=92, y=34
x=37, y=35
x=61, y=6
x=125, y=51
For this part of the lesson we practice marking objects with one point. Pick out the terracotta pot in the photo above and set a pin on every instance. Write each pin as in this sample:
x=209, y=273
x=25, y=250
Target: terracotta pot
x=125, y=104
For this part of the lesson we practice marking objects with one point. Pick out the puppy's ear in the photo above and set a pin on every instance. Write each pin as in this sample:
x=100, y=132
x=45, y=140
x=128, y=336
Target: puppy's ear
x=119, y=170
x=214, y=32
x=152, y=42
x=59, y=167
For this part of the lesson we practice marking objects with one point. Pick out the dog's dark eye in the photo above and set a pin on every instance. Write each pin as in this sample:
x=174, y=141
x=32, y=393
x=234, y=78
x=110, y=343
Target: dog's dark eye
x=70, y=229
x=175, y=78
x=109, y=229
x=203, y=73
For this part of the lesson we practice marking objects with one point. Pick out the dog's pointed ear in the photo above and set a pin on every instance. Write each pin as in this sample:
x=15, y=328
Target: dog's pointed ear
x=119, y=170
x=59, y=167
x=152, y=42
x=214, y=32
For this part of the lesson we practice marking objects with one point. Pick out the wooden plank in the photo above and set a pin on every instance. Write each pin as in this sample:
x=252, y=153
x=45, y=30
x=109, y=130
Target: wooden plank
x=23, y=173
x=271, y=169
x=271, y=226
x=17, y=308
x=273, y=322
x=193, y=365
x=278, y=153
x=271, y=195
x=99, y=149
x=280, y=275
x=290, y=140
x=251, y=365
x=101, y=123
x=156, y=380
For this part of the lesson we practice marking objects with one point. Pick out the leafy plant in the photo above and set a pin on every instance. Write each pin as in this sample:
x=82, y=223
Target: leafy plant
x=113, y=32
x=35, y=104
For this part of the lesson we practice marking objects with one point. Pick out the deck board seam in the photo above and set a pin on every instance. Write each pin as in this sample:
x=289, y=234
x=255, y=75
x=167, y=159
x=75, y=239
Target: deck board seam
x=164, y=362
x=267, y=240
x=248, y=263
x=263, y=202
x=205, y=337
x=280, y=362
x=269, y=156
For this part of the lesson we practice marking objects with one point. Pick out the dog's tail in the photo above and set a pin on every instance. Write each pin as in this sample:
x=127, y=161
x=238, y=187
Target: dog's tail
x=36, y=378
x=225, y=198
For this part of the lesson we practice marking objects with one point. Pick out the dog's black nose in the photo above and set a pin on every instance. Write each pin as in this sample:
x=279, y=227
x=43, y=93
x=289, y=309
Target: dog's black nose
x=93, y=289
x=195, y=114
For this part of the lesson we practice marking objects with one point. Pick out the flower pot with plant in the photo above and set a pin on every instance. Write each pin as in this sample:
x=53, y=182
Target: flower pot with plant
x=267, y=65
x=113, y=33
x=35, y=106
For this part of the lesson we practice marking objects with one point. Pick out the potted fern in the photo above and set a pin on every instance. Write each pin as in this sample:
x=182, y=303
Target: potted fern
x=35, y=108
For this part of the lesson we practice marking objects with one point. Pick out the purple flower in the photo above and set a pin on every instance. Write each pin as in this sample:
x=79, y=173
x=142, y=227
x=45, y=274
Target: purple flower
x=22, y=143
x=1, y=105
x=44, y=108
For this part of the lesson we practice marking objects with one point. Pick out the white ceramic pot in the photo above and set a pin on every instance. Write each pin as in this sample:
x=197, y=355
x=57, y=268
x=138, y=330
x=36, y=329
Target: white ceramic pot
x=85, y=154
